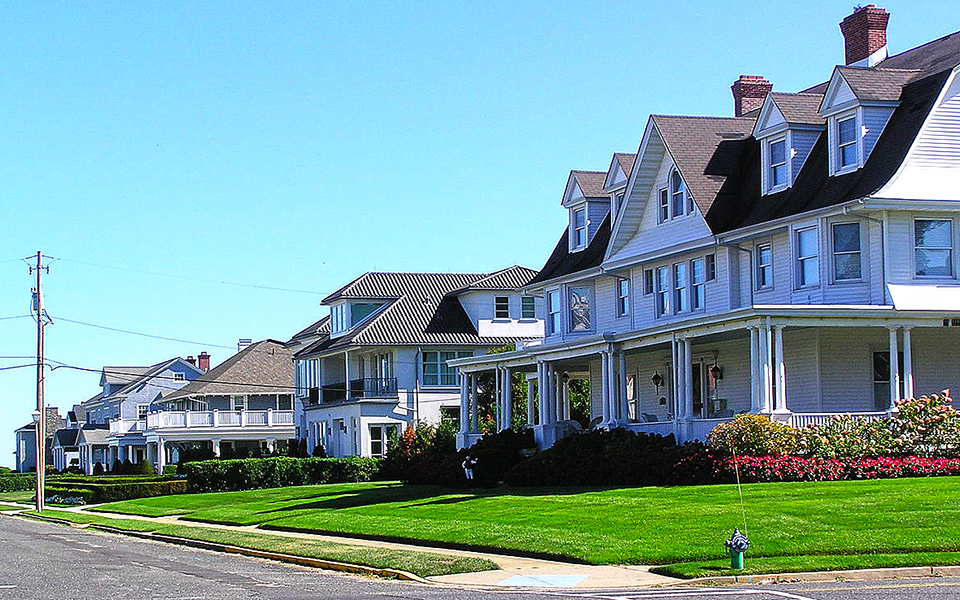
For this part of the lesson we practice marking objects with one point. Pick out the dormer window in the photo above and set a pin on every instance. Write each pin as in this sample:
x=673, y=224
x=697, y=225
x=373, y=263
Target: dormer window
x=846, y=142
x=580, y=228
x=677, y=193
x=674, y=199
x=778, y=163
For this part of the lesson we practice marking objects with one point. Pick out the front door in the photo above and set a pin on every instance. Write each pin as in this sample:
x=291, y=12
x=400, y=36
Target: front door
x=699, y=400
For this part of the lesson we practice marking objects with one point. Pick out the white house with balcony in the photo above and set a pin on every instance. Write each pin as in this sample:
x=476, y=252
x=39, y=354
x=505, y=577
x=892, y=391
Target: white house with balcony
x=379, y=362
x=797, y=260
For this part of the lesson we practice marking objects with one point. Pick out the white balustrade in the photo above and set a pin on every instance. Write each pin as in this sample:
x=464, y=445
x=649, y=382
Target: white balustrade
x=801, y=420
x=659, y=427
x=210, y=419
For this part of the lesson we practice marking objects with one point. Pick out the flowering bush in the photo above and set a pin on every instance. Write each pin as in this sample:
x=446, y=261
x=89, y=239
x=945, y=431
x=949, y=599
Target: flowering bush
x=755, y=435
x=848, y=437
x=928, y=425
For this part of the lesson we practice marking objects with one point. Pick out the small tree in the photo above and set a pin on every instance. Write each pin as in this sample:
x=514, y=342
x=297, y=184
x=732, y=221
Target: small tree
x=319, y=451
x=98, y=468
x=128, y=467
x=145, y=467
x=117, y=467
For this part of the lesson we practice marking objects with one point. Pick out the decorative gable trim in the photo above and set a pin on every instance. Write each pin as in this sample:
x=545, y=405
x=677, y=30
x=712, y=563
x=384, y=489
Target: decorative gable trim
x=838, y=96
x=771, y=121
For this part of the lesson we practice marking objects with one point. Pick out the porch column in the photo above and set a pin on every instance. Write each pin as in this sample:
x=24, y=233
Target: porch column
x=605, y=387
x=612, y=386
x=767, y=368
x=161, y=456
x=675, y=385
x=497, y=400
x=755, y=385
x=566, y=399
x=473, y=402
x=541, y=392
x=688, y=379
x=215, y=442
x=624, y=409
x=464, y=404
x=530, y=405
x=908, y=391
x=894, y=369
x=507, y=398
x=781, y=400
x=551, y=396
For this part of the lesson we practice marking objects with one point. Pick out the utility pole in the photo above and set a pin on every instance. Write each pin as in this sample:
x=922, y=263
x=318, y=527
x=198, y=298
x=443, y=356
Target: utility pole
x=42, y=419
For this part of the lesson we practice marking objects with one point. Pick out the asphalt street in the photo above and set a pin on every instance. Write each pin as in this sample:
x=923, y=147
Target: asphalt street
x=52, y=562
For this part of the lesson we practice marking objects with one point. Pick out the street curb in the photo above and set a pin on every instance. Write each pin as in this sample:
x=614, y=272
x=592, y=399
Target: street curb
x=813, y=576
x=265, y=554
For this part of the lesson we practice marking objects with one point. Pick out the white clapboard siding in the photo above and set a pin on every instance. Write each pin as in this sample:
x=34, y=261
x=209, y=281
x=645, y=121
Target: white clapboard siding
x=802, y=368
x=846, y=367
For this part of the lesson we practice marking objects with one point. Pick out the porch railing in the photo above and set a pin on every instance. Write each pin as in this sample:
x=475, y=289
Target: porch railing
x=801, y=420
x=659, y=427
x=127, y=425
x=366, y=387
x=219, y=418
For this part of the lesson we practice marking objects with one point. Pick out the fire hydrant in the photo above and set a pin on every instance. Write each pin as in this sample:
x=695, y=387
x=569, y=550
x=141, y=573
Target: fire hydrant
x=737, y=545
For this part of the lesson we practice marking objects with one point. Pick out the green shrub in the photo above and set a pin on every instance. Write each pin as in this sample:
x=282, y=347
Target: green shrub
x=17, y=482
x=98, y=469
x=257, y=473
x=753, y=435
x=169, y=470
x=117, y=467
x=928, y=425
x=850, y=437
x=145, y=467
x=112, y=491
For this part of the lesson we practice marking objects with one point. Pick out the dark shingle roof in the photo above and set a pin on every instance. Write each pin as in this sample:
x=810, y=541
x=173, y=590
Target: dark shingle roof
x=122, y=374
x=696, y=144
x=876, y=83
x=93, y=434
x=511, y=278
x=316, y=328
x=799, y=108
x=591, y=183
x=264, y=367
x=739, y=203
x=930, y=58
x=564, y=262
x=66, y=437
x=143, y=377
x=626, y=161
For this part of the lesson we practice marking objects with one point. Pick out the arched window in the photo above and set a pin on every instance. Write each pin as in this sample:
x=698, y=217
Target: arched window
x=678, y=192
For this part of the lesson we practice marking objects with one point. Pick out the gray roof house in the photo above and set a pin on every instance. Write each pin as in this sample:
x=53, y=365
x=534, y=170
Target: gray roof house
x=798, y=259
x=379, y=362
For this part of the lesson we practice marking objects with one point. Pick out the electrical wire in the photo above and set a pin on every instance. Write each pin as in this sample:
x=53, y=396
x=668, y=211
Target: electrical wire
x=200, y=279
x=17, y=367
x=16, y=317
x=147, y=335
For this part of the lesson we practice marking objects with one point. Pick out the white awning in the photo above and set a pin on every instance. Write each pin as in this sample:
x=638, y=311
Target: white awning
x=925, y=297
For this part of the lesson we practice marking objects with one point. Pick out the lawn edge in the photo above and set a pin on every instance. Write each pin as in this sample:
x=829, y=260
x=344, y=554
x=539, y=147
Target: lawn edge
x=250, y=552
x=813, y=576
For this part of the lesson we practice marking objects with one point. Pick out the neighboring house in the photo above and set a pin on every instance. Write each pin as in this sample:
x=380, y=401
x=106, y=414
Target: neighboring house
x=797, y=260
x=379, y=363
x=123, y=403
x=244, y=403
x=25, y=452
x=66, y=451
x=94, y=447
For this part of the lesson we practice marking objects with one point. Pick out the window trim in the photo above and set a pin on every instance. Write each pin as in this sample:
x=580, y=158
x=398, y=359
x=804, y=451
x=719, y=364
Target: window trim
x=839, y=169
x=146, y=410
x=441, y=364
x=662, y=295
x=834, y=253
x=623, y=300
x=681, y=295
x=551, y=327
x=953, y=247
x=591, y=308
x=649, y=286
x=798, y=260
x=663, y=209
x=675, y=173
x=577, y=244
x=501, y=303
x=525, y=303
x=693, y=285
x=759, y=265
x=710, y=267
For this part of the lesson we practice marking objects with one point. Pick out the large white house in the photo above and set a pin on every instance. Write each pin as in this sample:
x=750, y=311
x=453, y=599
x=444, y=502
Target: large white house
x=799, y=259
x=378, y=363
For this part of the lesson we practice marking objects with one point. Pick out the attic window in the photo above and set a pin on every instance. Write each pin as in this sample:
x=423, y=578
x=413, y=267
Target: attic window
x=579, y=228
x=677, y=193
x=778, y=163
x=846, y=142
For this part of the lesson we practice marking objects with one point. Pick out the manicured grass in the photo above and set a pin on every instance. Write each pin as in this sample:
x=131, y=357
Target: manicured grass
x=25, y=497
x=424, y=564
x=625, y=526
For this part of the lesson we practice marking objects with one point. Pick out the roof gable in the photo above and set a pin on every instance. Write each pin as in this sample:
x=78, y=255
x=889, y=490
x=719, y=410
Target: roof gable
x=583, y=185
x=263, y=367
x=771, y=118
x=621, y=164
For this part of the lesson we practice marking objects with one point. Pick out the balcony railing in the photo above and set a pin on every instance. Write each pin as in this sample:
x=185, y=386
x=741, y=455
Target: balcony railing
x=219, y=418
x=127, y=425
x=366, y=387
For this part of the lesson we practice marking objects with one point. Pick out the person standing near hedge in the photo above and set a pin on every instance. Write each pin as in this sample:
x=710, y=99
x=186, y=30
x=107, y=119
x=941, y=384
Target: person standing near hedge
x=468, y=465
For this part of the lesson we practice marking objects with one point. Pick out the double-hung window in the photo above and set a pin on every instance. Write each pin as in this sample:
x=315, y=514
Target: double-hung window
x=677, y=193
x=528, y=307
x=846, y=251
x=933, y=247
x=808, y=262
x=142, y=411
x=663, y=291
x=764, y=266
x=501, y=307
x=777, y=174
x=710, y=265
x=580, y=228
x=680, y=300
x=664, y=214
x=697, y=281
x=647, y=282
x=553, y=312
x=436, y=371
x=580, y=309
x=846, y=142
x=623, y=297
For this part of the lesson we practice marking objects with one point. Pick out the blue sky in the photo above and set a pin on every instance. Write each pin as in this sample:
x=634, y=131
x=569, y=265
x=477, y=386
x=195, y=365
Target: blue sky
x=299, y=144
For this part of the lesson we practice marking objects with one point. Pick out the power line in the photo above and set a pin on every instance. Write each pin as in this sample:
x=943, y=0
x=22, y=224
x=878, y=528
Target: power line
x=16, y=317
x=18, y=366
x=200, y=279
x=147, y=335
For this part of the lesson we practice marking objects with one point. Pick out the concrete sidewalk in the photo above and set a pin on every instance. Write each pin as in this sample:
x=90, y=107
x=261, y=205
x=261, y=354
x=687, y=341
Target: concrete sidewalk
x=514, y=571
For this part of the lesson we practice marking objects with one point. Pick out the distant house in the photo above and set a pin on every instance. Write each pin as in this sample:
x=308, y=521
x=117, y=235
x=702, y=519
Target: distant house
x=66, y=450
x=379, y=363
x=93, y=447
x=25, y=451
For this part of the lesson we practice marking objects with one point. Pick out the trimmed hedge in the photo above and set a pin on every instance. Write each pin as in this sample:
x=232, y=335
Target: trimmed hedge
x=258, y=473
x=101, y=491
x=17, y=483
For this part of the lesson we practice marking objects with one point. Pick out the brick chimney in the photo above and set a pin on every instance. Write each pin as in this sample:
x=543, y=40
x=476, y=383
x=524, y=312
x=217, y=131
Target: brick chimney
x=192, y=360
x=865, y=36
x=203, y=361
x=748, y=93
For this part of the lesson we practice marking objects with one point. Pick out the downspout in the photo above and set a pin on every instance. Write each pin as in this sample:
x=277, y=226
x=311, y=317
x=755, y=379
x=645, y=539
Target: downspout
x=883, y=246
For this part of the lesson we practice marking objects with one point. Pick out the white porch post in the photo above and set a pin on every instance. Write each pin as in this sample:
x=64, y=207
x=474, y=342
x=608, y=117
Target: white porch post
x=623, y=409
x=215, y=442
x=551, y=396
x=530, y=405
x=781, y=400
x=541, y=393
x=464, y=404
x=688, y=379
x=161, y=455
x=497, y=400
x=605, y=387
x=675, y=377
x=894, y=369
x=755, y=385
x=473, y=403
x=507, y=398
x=767, y=344
x=908, y=391
x=566, y=400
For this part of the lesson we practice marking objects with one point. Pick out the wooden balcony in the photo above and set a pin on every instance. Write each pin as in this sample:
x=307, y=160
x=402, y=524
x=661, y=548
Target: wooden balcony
x=365, y=388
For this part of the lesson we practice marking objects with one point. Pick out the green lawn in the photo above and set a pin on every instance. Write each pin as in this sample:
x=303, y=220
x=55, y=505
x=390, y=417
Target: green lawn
x=424, y=564
x=25, y=497
x=625, y=526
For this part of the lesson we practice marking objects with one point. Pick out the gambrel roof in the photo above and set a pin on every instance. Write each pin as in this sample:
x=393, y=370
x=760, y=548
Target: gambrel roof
x=263, y=367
